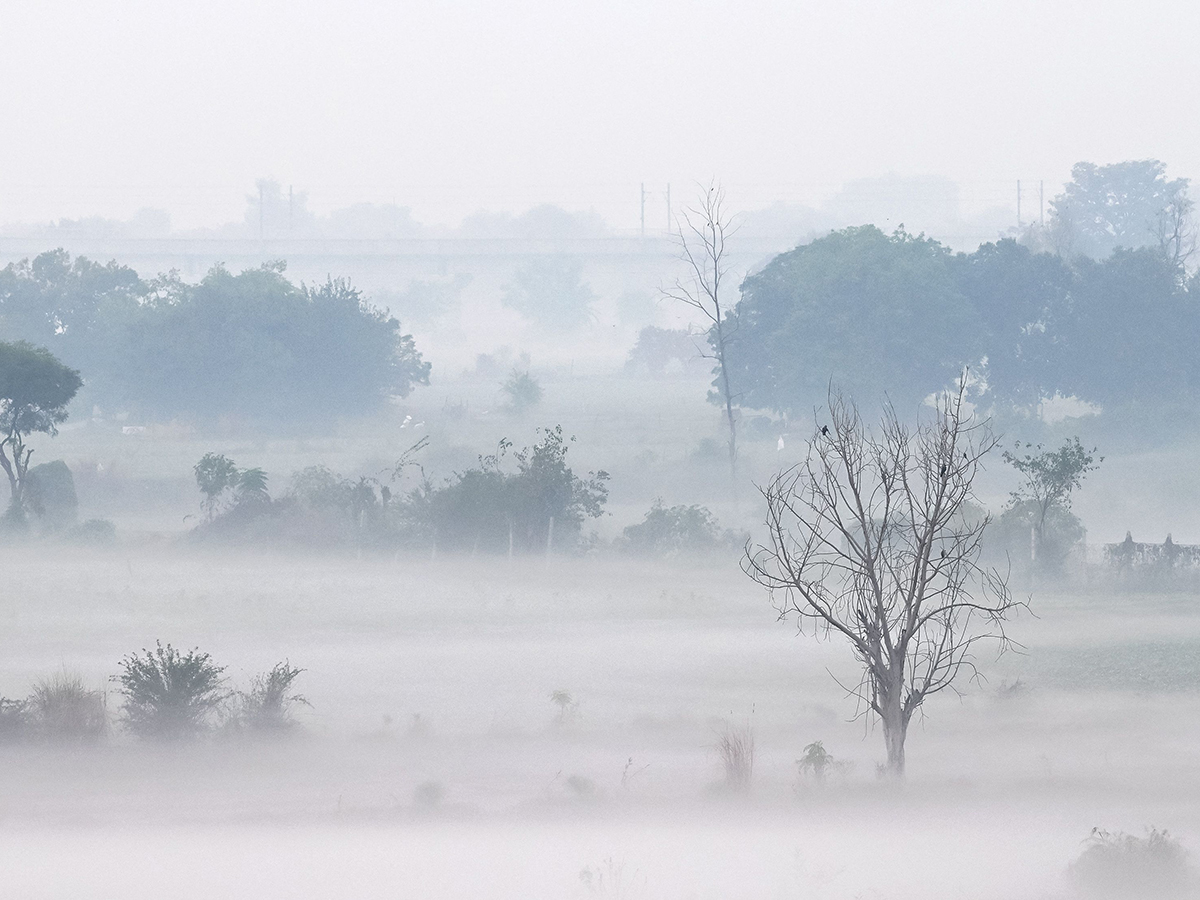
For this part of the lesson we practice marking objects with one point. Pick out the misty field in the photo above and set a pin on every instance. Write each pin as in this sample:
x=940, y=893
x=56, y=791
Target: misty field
x=434, y=761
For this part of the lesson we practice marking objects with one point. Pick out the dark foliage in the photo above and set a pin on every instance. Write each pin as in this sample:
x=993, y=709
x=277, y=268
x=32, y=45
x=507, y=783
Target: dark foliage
x=170, y=695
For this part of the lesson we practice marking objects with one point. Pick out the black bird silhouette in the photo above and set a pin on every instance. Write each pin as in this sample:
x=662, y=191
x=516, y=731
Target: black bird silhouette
x=943, y=471
x=825, y=430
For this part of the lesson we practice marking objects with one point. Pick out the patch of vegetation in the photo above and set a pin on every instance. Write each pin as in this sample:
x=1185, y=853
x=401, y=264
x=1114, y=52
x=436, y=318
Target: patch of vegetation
x=676, y=531
x=735, y=745
x=170, y=695
x=62, y=709
x=522, y=390
x=817, y=763
x=267, y=707
x=1119, y=866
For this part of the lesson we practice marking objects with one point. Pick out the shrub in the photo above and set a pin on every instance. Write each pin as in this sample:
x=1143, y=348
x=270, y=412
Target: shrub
x=736, y=748
x=675, y=530
x=1123, y=867
x=523, y=391
x=267, y=706
x=170, y=695
x=215, y=474
x=63, y=710
x=50, y=493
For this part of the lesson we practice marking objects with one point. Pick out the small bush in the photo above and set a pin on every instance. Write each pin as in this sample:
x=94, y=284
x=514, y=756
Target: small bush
x=523, y=391
x=50, y=494
x=675, y=531
x=170, y=695
x=267, y=706
x=817, y=762
x=62, y=709
x=1119, y=866
x=736, y=748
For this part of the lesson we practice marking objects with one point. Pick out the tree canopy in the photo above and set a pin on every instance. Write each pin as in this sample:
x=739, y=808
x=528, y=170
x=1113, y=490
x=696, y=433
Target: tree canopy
x=35, y=389
x=1128, y=205
x=877, y=313
x=901, y=316
x=253, y=344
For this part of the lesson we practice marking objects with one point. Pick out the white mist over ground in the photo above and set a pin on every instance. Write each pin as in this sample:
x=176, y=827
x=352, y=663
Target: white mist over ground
x=442, y=672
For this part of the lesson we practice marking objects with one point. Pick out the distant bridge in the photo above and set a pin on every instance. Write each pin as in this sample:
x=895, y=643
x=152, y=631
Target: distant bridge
x=376, y=260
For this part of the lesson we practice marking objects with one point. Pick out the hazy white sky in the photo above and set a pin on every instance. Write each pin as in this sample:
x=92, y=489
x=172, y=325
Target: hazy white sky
x=452, y=106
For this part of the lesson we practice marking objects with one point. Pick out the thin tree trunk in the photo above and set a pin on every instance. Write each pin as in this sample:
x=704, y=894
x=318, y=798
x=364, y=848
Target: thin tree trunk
x=895, y=730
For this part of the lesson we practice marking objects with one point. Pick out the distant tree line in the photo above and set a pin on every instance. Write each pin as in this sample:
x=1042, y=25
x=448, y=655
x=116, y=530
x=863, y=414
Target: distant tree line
x=251, y=345
x=1111, y=319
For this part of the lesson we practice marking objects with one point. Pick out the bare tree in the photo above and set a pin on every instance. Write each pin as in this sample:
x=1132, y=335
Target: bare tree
x=875, y=539
x=1175, y=229
x=704, y=230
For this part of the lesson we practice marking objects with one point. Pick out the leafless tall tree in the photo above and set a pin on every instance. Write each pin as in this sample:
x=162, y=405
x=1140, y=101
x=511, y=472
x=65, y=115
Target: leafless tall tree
x=704, y=230
x=1175, y=229
x=874, y=539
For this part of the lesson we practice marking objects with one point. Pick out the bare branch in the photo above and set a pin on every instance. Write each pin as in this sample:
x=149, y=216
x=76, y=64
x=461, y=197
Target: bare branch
x=874, y=538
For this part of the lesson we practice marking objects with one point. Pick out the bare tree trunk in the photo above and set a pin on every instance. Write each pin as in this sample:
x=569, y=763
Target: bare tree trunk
x=725, y=389
x=703, y=232
x=895, y=730
x=12, y=477
x=16, y=469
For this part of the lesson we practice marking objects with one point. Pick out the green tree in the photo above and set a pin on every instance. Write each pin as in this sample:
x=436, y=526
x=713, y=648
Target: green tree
x=68, y=306
x=543, y=504
x=1043, y=499
x=215, y=474
x=1020, y=301
x=1128, y=339
x=257, y=346
x=1129, y=204
x=879, y=314
x=673, y=530
x=35, y=389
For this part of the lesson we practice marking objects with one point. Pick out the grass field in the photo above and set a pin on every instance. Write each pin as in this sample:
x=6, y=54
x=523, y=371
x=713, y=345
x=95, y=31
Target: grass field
x=442, y=672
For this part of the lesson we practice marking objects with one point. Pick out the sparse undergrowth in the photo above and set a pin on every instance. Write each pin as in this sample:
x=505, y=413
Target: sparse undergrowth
x=267, y=707
x=1119, y=866
x=735, y=745
x=62, y=709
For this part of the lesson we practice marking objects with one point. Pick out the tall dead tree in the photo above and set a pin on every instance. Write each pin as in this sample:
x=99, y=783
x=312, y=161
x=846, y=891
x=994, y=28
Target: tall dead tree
x=874, y=539
x=704, y=230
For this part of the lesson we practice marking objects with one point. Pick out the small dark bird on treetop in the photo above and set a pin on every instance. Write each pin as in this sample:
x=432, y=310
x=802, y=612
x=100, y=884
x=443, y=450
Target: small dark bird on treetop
x=825, y=430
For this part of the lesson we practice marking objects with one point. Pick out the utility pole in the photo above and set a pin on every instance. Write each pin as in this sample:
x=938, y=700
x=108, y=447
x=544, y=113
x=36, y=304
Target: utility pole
x=643, y=209
x=1018, y=202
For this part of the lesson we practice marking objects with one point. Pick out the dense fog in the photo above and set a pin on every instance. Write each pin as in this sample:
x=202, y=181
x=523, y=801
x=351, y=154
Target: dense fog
x=519, y=452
